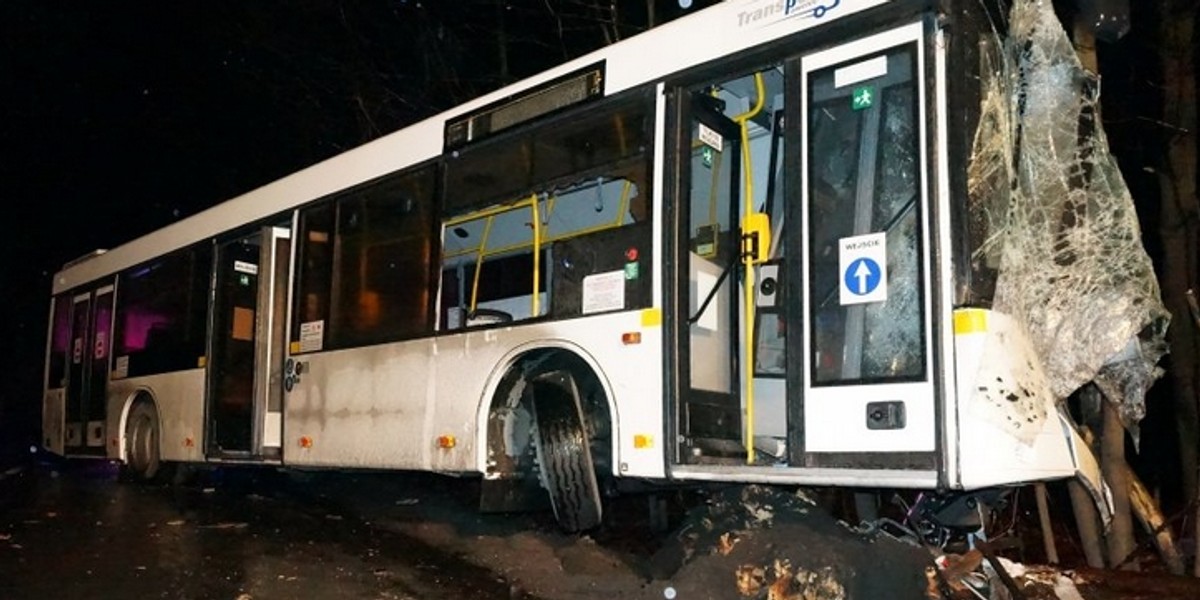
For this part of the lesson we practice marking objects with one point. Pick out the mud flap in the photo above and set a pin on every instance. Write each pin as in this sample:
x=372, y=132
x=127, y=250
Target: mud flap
x=1087, y=471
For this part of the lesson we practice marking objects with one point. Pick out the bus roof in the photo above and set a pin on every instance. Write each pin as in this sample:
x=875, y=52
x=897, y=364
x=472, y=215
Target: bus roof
x=691, y=40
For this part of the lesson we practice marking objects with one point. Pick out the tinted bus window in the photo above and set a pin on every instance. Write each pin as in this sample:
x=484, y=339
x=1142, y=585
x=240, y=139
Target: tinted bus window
x=162, y=310
x=60, y=342
x=365, y=265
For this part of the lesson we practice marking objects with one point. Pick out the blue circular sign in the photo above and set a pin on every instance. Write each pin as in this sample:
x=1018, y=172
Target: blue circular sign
x=862, y=276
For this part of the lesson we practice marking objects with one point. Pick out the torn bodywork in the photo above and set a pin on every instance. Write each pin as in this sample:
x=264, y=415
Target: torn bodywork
x=1057, y=234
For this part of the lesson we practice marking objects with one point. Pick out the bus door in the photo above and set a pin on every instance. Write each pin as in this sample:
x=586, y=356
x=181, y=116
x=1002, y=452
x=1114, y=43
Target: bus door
x=709, y=416
x=805, y=342
x=87, y=371
x=245, y=367
x=867, y=386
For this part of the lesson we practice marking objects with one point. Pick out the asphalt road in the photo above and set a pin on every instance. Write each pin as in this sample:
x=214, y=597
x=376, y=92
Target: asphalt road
x=74, y=531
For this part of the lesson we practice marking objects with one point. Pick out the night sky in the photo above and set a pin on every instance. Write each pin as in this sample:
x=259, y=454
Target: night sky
x=121, y=117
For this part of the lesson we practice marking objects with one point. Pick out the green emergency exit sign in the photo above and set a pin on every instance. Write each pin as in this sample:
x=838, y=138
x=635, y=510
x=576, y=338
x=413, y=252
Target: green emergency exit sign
x=863, y=97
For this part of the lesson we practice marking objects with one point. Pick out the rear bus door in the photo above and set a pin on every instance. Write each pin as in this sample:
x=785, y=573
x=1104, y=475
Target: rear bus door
x=87, y=371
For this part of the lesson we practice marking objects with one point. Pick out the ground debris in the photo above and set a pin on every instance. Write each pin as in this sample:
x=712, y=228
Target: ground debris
x=778, y=545
x=226, y=525
x=750, y=579
x=789, y=583
x=726, y=543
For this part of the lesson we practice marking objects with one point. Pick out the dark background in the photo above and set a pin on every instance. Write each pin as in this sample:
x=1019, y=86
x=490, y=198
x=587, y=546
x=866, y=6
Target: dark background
x=121, y=117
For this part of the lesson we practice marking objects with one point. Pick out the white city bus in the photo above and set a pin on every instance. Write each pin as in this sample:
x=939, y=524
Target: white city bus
x=733, y=248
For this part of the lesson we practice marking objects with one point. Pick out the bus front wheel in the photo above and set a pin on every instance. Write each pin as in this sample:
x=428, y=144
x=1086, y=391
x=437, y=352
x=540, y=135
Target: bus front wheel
x=563, y=452
x=142, y=458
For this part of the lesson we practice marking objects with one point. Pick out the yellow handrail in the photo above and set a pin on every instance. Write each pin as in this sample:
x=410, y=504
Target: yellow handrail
x=748, y=283
x=537, y=254
x=487, y=230
x=481, y=252
x=623, y=205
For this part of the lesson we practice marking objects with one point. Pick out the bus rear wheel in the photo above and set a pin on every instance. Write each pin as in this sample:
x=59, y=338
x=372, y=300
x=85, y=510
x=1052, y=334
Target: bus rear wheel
x=142, y=452
x=563, y=453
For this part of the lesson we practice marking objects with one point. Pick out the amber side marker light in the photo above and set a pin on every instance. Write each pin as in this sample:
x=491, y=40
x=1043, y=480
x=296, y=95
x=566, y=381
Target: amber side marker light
x=642, y=441
x=631, y=337
x=446, y=441
x=305, y=441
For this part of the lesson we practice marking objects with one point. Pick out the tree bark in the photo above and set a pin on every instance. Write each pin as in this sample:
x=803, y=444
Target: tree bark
x=1119, y=539
x=1043, y=508
x=1179, y=222
x=1087, y=522
x=1151, y=518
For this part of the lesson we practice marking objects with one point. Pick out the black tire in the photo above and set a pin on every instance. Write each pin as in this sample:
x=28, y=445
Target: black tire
x=563, y=453
x=142, y=443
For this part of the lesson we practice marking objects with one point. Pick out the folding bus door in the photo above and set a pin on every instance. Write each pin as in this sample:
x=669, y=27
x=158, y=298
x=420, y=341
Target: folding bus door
x=246, y=364
x=87, y=371
x=868, y=386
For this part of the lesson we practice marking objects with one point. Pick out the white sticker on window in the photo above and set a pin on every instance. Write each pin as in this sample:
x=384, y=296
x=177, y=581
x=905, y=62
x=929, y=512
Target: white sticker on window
x=312, y=336
x=121, y=367
x=604, y=291
x=711, y=138
x=705, y=282
x=245, y=267
x=863, y=260
x=859, y=72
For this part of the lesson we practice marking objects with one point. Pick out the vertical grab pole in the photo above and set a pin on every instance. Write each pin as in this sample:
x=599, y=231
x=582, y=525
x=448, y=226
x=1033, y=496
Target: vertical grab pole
x=487, y=230
x=537, y=254
x=748, y=281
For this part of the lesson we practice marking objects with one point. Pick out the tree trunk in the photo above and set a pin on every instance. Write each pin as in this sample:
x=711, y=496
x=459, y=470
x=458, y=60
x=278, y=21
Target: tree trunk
x=1043, y=508
x=1179, y=221
x=1119, y=538
x=1087, y=522
x=1151, y=518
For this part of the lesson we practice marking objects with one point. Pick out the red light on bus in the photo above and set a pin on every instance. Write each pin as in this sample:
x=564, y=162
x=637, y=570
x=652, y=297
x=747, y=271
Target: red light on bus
x=305, y=441
x=631, y=254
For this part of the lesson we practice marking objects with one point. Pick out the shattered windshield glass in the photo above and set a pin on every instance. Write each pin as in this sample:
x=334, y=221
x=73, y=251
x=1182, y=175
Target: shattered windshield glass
x=1058, y=223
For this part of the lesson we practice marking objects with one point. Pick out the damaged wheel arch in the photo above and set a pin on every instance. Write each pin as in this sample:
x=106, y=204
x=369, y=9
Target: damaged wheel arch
x=549, y=432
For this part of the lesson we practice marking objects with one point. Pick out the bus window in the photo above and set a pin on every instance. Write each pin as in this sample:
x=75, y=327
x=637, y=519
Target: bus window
x=573, y=220
x=161, y=314
x=864, y=178
x=60, y=342
x=366, y=263
x=508, y=168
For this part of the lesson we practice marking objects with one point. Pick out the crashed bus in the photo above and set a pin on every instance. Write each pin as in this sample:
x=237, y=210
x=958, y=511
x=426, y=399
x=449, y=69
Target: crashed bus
x=849, y=243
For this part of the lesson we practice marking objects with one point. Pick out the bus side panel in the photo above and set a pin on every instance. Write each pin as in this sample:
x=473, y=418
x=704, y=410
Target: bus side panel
x=363, y=407
x=631, y=375
x=385, y=406
x=1010, y=427
x=179, y=398
x=53, y=416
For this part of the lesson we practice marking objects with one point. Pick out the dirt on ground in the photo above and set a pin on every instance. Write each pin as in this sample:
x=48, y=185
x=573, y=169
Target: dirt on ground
x=739, y=542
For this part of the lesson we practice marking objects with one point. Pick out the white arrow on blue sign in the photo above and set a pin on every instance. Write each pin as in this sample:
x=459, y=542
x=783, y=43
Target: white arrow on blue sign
x=863, y=263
